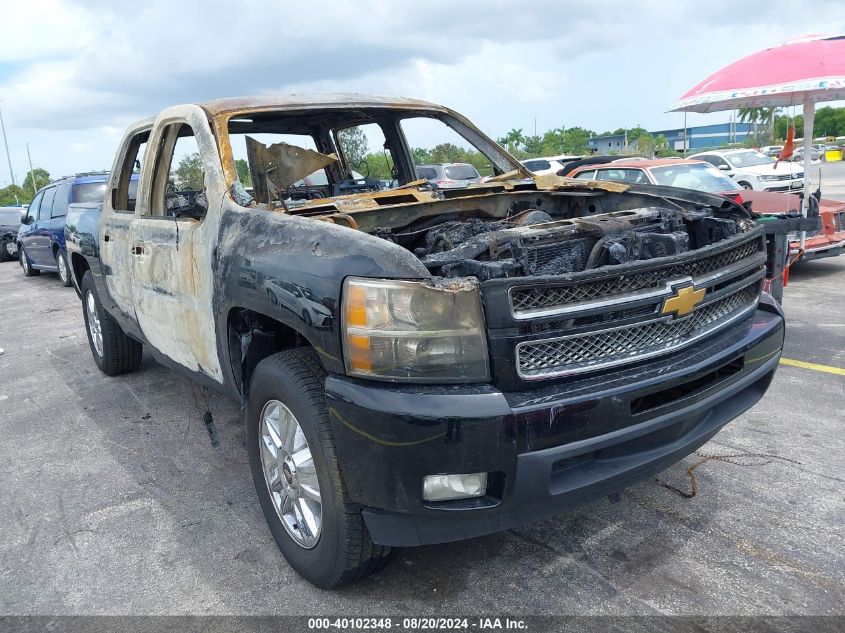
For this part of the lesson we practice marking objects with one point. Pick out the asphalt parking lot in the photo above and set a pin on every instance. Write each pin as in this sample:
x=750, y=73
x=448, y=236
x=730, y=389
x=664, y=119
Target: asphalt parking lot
x=114, y=501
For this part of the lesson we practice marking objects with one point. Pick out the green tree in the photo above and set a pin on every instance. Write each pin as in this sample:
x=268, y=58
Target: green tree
x=661, y=147
x=636, y=132
x=243, y=172
x=533, y=146
x=513, y=140
x=189, y=174
x=421, y=156
x=480, y=162
x=447, y=153
x=829, y=121
x=645, y=144
x=354, y=145
x=782, y=125
x=761, y=116
x=378, y=166
x=41, y=177
x=13, y=195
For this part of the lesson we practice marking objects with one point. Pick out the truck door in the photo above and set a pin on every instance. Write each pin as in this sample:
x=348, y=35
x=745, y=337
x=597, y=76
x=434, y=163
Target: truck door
x=119, y=206
x=172, y=237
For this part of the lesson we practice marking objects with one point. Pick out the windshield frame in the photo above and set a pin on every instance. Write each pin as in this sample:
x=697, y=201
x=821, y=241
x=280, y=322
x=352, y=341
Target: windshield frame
x=342, y=116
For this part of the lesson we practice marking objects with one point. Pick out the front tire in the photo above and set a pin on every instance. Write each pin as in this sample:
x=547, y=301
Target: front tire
x=64, y=269
x=28, y=270
x=5, y=255
x=113, y=351
x=287, y=393
x=745, y=185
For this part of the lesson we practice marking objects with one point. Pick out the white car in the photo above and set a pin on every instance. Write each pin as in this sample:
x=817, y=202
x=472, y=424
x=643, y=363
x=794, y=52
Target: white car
x=299, y=300
x=547, y=164
x=753, y=170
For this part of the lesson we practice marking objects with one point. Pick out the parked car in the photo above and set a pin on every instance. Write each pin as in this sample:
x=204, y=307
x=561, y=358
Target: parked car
x=693, y=174
x=753, y=170
x=40, y=241
x=10, y=222
x=316, y=185
x=449, y=175
x=494, y=355
x=773, y=151
x=548, y=164
x=815, y=154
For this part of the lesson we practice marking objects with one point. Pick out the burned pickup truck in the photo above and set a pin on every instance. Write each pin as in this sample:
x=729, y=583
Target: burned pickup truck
x=420, y=365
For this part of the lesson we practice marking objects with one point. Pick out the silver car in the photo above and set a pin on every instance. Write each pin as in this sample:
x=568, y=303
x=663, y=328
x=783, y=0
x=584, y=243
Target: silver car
x=449, y=175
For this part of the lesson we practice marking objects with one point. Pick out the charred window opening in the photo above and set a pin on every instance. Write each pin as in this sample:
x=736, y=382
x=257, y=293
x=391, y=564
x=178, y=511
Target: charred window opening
x=368, y=144
x=178, y=184
x=125, y=194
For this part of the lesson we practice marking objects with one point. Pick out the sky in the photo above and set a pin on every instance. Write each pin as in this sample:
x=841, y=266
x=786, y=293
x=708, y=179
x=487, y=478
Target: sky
x=73, y=74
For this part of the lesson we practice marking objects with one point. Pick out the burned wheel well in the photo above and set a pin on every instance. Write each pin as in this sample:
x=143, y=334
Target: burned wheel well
x=78, y=265
x=252, y=337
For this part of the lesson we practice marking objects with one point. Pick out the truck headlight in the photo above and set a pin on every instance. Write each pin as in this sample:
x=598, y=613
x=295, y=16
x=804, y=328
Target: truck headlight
x=768, y=178
x=414, y=331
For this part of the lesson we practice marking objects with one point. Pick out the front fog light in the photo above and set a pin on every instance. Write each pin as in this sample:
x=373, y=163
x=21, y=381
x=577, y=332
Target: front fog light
x=447, y=487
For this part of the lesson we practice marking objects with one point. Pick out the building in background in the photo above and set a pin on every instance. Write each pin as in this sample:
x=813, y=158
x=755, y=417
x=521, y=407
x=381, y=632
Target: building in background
x=610, y=144
x=698, y=137
x=706, y=136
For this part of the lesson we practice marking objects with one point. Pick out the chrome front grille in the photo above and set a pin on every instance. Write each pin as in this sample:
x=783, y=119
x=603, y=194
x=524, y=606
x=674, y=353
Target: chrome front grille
x=527, y=302
x=597, y=319
x=578, y=353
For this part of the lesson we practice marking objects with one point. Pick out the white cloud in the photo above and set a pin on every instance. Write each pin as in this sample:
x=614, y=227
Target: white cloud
x=43, y=29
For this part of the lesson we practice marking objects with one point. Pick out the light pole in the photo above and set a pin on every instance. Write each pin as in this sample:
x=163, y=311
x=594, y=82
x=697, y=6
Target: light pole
x=31, y=171
x=6, y=143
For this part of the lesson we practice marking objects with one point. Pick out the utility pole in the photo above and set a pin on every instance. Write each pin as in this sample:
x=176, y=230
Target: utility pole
x=31, y=171
x=6, y=143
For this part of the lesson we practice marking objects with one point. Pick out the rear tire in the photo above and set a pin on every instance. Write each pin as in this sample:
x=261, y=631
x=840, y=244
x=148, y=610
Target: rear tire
x=113, y=351
x=64, y=269
x=343, y=551
x=28, y=270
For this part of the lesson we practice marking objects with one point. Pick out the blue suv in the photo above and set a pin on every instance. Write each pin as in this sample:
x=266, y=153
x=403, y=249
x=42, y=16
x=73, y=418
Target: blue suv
x=41, y=237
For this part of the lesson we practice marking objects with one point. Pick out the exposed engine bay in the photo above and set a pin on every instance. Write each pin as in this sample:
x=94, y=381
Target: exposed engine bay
x=533, y=243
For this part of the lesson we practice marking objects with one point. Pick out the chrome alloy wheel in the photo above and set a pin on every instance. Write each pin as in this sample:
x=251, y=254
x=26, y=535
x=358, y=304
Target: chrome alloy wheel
x=94, y=326
x=62, y=268
x=290, y=474
x=24, y=262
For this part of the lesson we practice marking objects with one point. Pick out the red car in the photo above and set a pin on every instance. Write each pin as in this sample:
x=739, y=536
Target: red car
x=694, y=174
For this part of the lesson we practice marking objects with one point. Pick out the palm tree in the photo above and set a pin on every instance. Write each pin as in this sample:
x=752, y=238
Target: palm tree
x=513, y=139
x=760, y=115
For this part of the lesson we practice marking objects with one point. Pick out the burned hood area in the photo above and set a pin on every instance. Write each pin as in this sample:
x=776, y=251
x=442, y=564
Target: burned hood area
x=561, y=233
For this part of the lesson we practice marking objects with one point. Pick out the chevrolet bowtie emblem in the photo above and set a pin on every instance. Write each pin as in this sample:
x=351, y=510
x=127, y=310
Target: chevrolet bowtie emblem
x=684, y=301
